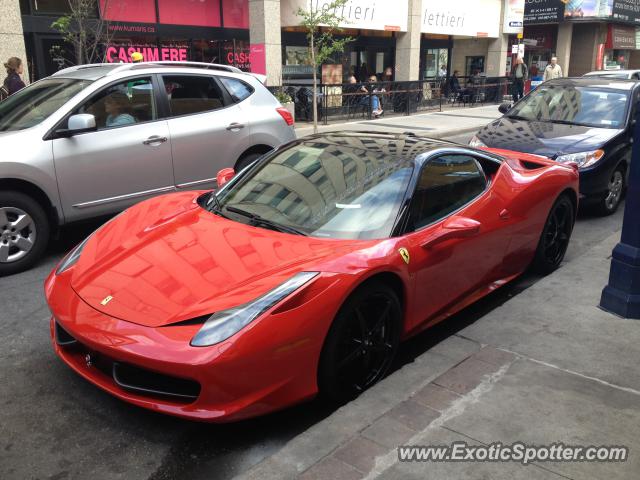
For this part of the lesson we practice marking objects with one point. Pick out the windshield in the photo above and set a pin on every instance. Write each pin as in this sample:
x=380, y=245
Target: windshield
x=37, y=102
x=323, y=190
x=588, y=106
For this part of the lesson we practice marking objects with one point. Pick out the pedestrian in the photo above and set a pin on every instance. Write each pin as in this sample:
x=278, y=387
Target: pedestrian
x=443, y=72
x=519, y=76
x=553, y=70
x=13, y=82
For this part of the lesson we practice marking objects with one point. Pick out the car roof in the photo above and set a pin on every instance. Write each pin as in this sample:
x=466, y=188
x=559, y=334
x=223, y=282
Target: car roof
x=610, y=72
x=406, y=146
x=95, y=71
x=595, y=81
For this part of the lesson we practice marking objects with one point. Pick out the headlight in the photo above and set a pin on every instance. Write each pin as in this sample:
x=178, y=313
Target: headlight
x=475, y=142
x=72, y=257
x=582, y=159
x=222, y=325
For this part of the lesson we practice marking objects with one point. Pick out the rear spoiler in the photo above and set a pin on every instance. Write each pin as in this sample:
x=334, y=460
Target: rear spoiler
x=261, y=78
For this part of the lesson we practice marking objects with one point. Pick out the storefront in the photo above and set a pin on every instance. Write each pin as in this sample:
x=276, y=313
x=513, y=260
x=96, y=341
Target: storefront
x=165, y=30
x=616, y=54
x=372, y=26
x=540, y=35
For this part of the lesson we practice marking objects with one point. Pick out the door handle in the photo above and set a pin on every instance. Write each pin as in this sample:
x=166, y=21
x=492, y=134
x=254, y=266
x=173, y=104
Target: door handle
x=236, y=126
x=154, y=139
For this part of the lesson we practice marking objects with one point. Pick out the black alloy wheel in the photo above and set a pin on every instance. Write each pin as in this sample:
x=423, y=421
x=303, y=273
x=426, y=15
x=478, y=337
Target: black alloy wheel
x=554, y=241
x=361, y=344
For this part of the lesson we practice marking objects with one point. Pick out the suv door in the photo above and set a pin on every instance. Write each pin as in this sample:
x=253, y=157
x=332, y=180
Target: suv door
x=207, y=128
x=126, y=159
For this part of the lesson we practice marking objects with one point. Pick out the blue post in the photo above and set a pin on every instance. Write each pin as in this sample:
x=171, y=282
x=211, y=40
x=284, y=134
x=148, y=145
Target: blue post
x=622, y=295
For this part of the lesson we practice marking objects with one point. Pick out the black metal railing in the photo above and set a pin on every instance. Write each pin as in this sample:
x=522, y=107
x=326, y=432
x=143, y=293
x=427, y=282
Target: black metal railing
x=359, y=101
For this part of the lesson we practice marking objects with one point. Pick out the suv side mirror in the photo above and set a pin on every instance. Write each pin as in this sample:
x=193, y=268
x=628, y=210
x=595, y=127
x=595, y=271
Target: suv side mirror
x=224, y=176
x=80, y=123
x=504, y=108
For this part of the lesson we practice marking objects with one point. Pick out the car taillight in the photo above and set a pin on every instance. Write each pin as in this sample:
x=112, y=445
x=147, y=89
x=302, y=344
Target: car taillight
x=286, y=116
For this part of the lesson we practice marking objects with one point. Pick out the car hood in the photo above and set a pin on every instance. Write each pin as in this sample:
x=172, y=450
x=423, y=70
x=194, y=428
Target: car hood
x=544, y=138
x=167, y=260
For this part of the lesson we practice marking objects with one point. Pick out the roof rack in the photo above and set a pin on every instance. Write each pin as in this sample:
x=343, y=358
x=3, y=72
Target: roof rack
x=203, y=65
x=75, y=68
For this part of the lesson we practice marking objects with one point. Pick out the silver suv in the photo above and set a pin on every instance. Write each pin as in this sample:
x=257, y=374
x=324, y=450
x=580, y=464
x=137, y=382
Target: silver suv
x=94, y=139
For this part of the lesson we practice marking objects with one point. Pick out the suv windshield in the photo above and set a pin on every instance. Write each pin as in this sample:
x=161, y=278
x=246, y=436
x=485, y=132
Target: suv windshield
x=322, y=189
x=37, y=102
x=588, y=106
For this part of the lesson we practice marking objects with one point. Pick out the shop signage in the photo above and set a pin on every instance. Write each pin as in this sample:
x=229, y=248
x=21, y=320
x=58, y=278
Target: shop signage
x=471, y=18
x=513, y=16
x=122, y=54
x=543, y=11
x=258, y=58
x=626, y=10
x=391, y=15
x=621, y=37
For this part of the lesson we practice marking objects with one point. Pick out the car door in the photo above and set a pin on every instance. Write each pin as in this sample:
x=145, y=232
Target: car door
x=459, y=237
x=206, y=127
x=127, y=158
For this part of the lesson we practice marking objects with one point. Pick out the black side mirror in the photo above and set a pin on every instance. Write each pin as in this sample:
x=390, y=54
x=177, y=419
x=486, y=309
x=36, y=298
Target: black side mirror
x=504, y=108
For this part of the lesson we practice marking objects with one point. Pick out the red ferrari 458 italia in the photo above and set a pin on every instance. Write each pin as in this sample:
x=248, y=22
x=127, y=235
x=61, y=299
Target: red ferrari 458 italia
x=303, y=273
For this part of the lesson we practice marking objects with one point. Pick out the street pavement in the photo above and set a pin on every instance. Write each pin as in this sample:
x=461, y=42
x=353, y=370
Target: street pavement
x=55, y=425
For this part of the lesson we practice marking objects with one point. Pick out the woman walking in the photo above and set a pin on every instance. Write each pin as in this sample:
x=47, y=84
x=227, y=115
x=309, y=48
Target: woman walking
x=13, y=82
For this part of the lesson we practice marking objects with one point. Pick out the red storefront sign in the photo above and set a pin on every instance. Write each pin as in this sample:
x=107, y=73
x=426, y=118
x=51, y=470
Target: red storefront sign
x=621, y=37
x=117, y=53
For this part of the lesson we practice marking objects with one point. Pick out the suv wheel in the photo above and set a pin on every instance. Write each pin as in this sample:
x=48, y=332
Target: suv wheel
x=611, y=201
x=24, y=232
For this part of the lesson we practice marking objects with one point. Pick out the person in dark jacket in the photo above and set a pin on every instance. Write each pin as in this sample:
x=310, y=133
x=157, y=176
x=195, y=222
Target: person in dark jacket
x=519, y=76
x=13, y=82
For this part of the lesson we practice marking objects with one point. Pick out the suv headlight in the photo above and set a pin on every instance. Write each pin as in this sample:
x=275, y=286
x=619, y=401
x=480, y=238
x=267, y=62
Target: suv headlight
x=222, y=325
x=582, y=159
x=475, y=142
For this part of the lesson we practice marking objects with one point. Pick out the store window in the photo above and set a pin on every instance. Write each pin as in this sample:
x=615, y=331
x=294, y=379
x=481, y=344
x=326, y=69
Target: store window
x=435, y=59
x=474, y=65
x=129, y=10
x=235, y=13
x=50, y=6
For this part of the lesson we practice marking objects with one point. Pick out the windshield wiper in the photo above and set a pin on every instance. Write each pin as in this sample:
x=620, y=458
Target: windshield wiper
x=257, y=220
x=518, y=117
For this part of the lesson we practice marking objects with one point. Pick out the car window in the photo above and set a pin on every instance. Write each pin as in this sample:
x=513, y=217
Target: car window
x=38, y=101
x=238, y=90
x=122, y=104
x=446, y=183
x=189, y=94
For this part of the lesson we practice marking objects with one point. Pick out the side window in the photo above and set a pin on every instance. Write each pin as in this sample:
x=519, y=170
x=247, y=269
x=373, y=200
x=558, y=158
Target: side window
x=122, y=104
x=446, y=183
x=189, y=94
x=238, y=90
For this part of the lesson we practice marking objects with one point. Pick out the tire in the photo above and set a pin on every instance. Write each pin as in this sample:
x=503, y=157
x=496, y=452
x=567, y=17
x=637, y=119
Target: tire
x=247, y=160
x=555, y=237
x=608, y=205
x=353, y=360
x=24, y=232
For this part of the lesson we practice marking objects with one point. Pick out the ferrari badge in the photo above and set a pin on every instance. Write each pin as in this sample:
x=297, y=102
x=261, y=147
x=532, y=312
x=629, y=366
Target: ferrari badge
x=106, y=300
x=404, y=253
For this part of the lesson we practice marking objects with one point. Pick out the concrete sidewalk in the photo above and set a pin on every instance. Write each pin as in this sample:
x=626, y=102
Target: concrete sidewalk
x=547, y=366
x=452, y=121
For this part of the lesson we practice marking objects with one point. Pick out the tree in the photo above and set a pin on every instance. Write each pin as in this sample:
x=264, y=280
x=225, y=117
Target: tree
x=85, y=30
x=321, y=24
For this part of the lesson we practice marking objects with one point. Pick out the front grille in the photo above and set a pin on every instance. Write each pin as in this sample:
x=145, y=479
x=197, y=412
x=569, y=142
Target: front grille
x=129, y=377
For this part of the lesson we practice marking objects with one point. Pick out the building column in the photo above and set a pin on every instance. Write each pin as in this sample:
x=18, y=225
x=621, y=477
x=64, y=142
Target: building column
x=264, y=24
x=408, y=46
x=497, y=52
x=11, y=36
x=563, y=47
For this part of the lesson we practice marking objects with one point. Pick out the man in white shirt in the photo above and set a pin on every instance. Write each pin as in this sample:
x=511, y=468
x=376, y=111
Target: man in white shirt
x=553, y=70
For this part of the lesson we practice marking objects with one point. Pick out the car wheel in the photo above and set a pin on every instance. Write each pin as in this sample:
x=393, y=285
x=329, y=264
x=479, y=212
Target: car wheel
x=555, y=237
x=361, y=343
x=611, y=201
x=24, y=232
x=246, y=161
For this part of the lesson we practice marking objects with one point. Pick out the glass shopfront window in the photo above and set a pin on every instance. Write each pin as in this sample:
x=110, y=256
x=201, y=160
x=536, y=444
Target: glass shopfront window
x=235, y=13
x=435, y=60
x=46, y=7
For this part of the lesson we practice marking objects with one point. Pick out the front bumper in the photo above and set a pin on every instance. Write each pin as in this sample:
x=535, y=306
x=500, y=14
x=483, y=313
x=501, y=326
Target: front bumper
x=267, y=366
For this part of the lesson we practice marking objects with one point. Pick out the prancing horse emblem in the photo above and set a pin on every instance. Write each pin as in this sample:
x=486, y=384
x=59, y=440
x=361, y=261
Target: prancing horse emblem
x=106, y=300
x=404, y=253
